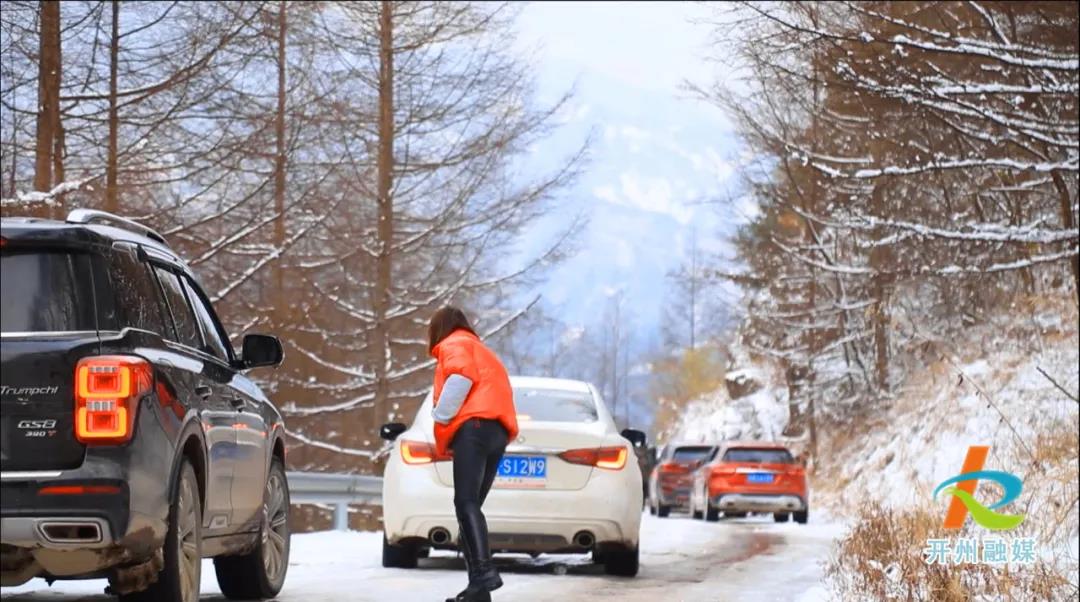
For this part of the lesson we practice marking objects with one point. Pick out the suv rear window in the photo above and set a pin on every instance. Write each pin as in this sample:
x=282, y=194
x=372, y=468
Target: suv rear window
x=764, y=456
x=554, y=405
x=46, y=291
x=692, y=454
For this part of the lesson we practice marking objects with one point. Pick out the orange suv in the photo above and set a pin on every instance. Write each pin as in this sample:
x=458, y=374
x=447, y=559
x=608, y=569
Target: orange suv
x=751, y=477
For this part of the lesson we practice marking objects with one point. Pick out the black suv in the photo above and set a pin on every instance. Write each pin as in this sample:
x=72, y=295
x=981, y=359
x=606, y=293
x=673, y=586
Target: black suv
x=132, y=445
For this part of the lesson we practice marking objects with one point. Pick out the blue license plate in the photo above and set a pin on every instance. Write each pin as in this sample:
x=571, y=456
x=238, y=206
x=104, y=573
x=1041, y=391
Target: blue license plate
x=759, y=477
x=523, y=467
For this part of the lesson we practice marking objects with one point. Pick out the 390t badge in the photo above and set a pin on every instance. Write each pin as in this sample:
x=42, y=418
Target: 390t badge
x=37, y=428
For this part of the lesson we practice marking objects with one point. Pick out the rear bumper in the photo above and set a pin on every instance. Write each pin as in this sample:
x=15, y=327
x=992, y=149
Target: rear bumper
x=608, y=507
x=79, y=535
x=758, y=502
x=677, y=497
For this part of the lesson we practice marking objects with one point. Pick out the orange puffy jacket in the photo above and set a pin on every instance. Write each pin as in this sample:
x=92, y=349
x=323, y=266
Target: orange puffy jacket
x=461, y=352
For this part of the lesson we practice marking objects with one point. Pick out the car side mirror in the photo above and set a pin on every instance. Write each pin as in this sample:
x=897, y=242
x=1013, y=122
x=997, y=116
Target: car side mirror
x=634, y=436
x=261, y=350
x=391, y=430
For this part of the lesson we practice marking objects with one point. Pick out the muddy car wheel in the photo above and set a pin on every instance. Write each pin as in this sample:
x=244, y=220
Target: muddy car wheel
x=179, y=579
x=801, y=517
x=261, y=572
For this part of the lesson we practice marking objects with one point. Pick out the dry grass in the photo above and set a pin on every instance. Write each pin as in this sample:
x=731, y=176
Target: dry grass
x=881, y=558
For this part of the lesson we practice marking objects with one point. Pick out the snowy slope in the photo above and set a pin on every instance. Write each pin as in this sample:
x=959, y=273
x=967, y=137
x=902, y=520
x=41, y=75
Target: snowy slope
x=758, y=411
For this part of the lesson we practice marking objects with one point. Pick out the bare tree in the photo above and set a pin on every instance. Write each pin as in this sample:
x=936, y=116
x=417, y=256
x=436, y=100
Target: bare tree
x=48, y=159
x=911, y=153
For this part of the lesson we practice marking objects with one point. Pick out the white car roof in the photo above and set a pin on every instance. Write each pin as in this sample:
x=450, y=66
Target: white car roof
x=540, y=382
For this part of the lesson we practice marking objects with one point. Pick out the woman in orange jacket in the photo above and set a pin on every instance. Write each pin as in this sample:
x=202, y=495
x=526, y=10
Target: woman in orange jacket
x=474, y=416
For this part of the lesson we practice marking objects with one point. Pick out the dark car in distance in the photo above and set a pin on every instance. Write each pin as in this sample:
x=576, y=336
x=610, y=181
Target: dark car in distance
x=133, y=445
x=673, y=475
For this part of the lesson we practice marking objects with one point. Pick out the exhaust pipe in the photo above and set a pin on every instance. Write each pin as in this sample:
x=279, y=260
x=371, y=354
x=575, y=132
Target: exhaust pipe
x=439, y=536
x=76, y=532
x=584, y=539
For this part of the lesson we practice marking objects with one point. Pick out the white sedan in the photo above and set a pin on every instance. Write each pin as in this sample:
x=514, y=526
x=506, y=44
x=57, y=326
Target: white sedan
x=570, y=483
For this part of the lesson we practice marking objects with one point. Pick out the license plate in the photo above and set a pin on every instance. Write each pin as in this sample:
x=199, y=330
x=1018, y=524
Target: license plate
x=522, y=471
x=759, y=477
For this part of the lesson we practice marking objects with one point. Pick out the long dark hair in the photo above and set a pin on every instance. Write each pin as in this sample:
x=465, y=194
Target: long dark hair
x=446, y=320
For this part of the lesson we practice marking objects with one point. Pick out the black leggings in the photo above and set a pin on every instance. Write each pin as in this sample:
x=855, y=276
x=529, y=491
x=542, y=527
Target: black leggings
x=478, y=447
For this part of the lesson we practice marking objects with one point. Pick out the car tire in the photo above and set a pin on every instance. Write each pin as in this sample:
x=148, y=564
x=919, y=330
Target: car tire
x=621, y=562
x=780, y=517
x=663, y=511
x=735, y=514
x=652, y=509
x=398, y=557
x=801, y=517
x=261, y=572
x=712, y=515
x=179, y=578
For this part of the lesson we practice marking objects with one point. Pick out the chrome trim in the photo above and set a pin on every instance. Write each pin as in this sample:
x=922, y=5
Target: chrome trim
x=29, y=475
x=95, y=523
x=531, y=449
x=758, y=502
x=91, y=216
x=27, y=532
x=45, y=333
x=744, y=470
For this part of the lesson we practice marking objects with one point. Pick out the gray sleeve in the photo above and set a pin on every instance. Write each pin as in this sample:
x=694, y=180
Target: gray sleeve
x=454, y=391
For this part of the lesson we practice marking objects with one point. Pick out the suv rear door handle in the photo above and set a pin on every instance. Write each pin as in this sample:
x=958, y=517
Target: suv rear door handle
x=204, y=391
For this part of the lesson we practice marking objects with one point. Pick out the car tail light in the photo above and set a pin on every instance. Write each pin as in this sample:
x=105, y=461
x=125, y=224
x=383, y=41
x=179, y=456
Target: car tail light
x=611, y=458
x=674, y=468
x=107, y=393
x=420, y=452
x=79, y=490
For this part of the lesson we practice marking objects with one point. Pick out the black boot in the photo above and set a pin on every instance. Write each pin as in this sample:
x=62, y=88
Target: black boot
x=486, y=576
x=472, y=593
x=466, y=554
x=482, y=571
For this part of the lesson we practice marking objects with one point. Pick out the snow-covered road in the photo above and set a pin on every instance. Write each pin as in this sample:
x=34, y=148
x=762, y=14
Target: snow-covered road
x=742, y=559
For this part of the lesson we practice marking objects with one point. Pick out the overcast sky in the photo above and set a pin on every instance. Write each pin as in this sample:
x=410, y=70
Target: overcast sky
x=656, y=153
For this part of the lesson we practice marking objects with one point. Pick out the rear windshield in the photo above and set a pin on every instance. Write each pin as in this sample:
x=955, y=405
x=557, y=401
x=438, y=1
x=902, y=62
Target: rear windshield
x=554, y=405
x=46, y=292
x=691, y=454
x=764, y=456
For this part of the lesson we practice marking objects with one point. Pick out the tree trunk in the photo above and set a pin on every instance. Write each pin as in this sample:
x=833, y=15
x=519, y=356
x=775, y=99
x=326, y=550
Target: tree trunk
x=693, y=290
x=385, y=228
x=880, y=258
x=1068, y=220
x=112, y=200
x=279, y=169
x=58, y=163
x=48, y=116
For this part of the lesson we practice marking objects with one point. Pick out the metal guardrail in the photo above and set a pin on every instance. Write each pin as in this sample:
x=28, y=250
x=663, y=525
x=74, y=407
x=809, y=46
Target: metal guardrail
x=338, y=490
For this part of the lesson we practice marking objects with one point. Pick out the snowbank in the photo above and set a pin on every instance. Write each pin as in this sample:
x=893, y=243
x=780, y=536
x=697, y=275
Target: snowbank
x=986, y=389
x=752, y=405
